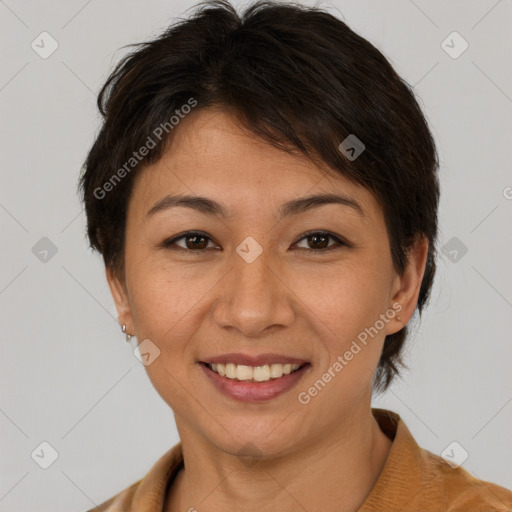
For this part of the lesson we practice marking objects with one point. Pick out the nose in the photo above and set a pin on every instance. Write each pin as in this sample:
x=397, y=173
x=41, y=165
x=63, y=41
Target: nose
x=254, y=298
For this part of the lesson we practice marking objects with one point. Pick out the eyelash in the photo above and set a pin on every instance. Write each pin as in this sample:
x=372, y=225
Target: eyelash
x=169, y=243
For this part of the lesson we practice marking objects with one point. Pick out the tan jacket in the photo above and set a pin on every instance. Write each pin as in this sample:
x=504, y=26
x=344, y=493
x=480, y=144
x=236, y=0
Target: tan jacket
x=412, y=480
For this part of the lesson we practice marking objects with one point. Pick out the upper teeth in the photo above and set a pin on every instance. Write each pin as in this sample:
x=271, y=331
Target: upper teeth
x=258, y=373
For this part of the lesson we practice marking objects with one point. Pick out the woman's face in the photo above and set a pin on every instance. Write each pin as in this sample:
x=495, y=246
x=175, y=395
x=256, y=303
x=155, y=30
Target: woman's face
x=251, y=287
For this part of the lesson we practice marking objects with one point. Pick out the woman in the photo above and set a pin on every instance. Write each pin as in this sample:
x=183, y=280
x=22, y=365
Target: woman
x=264, y=194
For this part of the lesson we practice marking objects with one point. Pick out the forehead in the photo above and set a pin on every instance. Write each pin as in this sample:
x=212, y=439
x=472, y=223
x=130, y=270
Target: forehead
x=211, y=154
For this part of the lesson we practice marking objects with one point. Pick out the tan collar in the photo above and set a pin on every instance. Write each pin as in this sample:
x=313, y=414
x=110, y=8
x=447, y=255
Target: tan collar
x=412, y=479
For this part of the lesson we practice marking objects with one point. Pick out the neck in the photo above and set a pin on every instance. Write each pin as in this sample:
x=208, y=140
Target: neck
x=335, y=473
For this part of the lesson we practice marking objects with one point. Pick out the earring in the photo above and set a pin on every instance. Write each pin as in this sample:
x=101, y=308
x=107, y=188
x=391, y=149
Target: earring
x=128, y=336
x=398, y=318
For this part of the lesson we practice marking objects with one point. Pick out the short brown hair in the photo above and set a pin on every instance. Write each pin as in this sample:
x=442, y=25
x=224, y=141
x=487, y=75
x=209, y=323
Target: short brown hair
x=295, y=76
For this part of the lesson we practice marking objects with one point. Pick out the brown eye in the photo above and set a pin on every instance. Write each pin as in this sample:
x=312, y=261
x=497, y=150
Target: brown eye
x=191, y=241
x=319, y=241
x=196, y=241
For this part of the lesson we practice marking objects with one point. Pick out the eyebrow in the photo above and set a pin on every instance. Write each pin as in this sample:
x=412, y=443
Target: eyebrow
x=295, y=206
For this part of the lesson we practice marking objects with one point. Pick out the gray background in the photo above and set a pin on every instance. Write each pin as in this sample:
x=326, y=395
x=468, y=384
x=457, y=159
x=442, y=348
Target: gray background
x=67, y=375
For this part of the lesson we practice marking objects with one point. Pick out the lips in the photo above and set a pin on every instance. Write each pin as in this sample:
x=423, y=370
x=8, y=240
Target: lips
x=250, y=391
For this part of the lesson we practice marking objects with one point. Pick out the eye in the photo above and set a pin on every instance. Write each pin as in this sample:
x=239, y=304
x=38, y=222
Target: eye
x=193, y=241
x=319, y=240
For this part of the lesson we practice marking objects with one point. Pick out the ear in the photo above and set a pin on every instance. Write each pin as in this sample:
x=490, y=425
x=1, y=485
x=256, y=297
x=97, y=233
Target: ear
x=406, y=288
x=120, y=296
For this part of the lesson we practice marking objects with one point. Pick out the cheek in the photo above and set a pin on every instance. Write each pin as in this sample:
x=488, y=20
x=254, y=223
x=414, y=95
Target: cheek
x=344, y=313
x=163, y=312
x=168, y=306
x=163, y=295
x=345, y=299
x=345, y=310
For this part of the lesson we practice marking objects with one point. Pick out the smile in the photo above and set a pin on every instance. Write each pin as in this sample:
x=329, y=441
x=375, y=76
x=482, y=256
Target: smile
x=253, y=373
x=254, y=383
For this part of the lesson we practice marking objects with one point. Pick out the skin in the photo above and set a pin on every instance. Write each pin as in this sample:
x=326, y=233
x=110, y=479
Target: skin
x=325, y=455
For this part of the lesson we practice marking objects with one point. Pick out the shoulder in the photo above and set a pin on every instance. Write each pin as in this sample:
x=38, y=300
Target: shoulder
x=414, y=479
x=460, y=490
x=149, y=492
